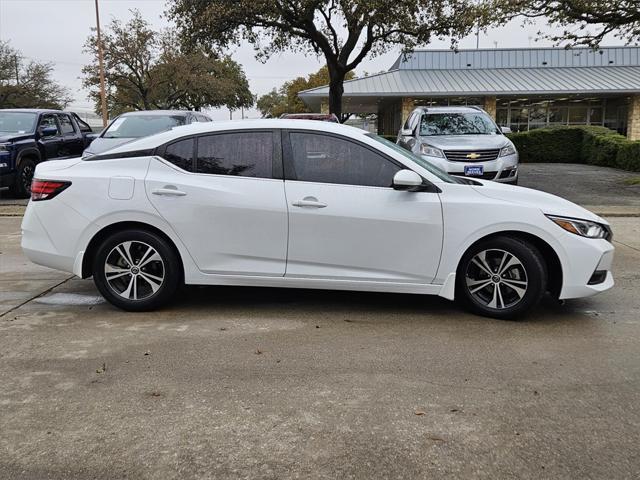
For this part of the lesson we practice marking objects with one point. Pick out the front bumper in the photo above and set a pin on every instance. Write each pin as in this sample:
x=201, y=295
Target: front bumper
x=589, y=261
x=502, y=169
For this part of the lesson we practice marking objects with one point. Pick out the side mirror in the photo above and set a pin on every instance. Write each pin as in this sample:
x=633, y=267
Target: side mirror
x=406, y=132
x=505, y=129
x=407, y=180
x=48, y=131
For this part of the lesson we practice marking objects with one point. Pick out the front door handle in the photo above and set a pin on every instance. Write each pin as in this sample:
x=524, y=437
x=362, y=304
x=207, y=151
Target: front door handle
x=168, y=191
x=311, y=202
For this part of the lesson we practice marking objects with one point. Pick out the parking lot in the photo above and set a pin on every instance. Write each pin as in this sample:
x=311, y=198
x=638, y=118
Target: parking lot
x=275, y=383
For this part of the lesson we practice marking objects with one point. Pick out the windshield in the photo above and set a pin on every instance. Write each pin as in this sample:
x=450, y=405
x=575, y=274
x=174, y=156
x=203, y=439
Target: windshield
x=136, y=126
x=442, y=175
x=476, y=123
x=17, y=122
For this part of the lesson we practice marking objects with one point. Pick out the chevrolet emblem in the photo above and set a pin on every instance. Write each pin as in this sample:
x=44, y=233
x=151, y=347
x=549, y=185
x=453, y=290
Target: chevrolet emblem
x=473, y=156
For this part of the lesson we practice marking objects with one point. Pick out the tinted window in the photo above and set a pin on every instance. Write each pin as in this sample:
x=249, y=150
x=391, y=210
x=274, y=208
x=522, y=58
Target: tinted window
x=247, y=154
x=326, y=159
x=49, y=121
x=65, y=124
x=181, y=154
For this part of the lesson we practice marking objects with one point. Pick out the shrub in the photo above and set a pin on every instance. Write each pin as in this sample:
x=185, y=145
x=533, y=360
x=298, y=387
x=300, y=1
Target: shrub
x=557, y=145
x=580, y=144
x=629, y=156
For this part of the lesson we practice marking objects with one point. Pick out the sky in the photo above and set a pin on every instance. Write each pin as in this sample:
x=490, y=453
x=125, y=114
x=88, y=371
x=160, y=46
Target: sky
x=55, y=31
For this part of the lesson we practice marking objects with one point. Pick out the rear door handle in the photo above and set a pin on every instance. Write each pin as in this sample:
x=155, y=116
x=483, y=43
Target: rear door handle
x=168, y=191
x=309, y=202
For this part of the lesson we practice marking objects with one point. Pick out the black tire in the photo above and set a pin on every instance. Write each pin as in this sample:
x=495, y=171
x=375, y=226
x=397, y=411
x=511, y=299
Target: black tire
x=21, y=187
x=508, y=294
x=123, y=289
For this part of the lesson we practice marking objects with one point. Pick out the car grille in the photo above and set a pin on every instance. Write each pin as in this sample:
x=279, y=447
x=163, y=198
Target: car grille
x=484, y=176
x=462, y=155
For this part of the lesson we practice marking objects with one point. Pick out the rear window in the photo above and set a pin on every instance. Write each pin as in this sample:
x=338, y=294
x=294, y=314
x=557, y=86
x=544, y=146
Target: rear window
x=136, y=126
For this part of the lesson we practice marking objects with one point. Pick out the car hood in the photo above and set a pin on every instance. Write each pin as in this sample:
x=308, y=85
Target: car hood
x=546, y=202
x=14, y=137
x=101, y=144
x=466, y=142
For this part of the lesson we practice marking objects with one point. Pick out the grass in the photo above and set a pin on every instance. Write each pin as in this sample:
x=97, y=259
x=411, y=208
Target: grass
x=632, y=181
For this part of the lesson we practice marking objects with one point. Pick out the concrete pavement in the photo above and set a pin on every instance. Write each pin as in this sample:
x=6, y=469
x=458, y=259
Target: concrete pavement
x=269, y=383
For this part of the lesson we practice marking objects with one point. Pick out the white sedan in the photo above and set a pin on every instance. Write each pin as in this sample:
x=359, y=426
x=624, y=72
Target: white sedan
x=285, y=203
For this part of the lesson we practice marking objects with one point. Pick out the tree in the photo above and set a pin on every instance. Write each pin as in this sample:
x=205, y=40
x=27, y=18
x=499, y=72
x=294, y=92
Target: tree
x=28, y=84
x=146, y=69
x=286, y=100
x=585, y=22
x=345, y=32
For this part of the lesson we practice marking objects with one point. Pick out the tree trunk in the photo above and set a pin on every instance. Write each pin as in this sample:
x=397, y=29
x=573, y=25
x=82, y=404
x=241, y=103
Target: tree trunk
x=336, y=89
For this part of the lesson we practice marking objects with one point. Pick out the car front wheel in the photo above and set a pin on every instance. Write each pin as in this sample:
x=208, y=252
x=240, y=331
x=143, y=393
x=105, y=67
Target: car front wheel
x=136, y=270
x=501, y=277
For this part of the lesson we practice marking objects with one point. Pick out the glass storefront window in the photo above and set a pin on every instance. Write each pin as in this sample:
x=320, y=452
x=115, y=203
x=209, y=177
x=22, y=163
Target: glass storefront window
x=558, y=115
x=577, y=115
x=595, y=115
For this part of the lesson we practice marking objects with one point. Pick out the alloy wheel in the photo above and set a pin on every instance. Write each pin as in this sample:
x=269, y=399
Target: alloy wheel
x=496, y=279
x=134, y=270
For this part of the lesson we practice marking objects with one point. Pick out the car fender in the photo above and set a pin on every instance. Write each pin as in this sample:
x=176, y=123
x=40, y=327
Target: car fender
x=28, y=152
x=131, y=216
x=451, y=259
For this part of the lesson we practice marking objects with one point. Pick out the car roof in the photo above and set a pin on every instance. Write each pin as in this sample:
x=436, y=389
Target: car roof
x=31, y=110
x=154, y=141
x=451, y=109
x=144, y=113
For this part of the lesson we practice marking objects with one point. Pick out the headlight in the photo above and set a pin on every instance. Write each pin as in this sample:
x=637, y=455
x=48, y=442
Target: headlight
x=4, y=147
x=426, y=149
x=508, y=150
x=584, y=228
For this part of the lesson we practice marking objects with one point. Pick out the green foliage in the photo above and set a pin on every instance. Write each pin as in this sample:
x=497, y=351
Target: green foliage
x=584, y=22
x=28, y=84
x=146, y=69
x=581, y=144
x=286, y=100
x=344, y=32
x=629, y=156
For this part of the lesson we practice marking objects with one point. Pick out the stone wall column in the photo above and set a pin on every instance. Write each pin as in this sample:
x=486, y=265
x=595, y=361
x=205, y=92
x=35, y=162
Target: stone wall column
x=633, y=120
x=407, y=107
x=490, y=106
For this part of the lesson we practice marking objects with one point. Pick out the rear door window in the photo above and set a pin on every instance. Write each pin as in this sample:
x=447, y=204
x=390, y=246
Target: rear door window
x=243, y=154
x=66, y=125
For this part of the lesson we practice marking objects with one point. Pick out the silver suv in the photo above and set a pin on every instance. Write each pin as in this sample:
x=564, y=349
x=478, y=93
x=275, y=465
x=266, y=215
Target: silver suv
x=461, y=141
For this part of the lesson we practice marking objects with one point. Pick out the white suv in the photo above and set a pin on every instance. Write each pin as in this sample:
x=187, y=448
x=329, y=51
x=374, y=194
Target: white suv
x=461, y=141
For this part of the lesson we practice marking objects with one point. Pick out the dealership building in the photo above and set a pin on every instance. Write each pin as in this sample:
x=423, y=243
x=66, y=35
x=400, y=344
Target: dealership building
x=521, y=88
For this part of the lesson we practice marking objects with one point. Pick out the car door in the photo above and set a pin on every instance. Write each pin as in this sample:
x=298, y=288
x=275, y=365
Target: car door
x=346, y=222
x=49, y=145
x=72, y=142
x=223, y=194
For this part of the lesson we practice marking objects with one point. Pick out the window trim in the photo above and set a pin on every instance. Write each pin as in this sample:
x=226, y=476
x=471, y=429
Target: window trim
x=277, y=172
x=289, y=166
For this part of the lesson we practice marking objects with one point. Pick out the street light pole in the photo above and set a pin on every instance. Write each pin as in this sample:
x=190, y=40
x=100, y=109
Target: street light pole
x=103, y=94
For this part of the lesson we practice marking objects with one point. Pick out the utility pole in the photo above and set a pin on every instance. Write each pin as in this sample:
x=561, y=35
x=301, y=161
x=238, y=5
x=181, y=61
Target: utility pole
x=15, y=62
x=103, y=94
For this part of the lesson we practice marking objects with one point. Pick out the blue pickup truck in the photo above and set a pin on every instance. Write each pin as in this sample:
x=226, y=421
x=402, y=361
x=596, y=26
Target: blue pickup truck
x=31, y=136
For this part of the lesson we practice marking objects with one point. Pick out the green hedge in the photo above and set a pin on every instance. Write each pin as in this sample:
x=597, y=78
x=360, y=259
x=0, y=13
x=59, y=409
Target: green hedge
x=581, y=144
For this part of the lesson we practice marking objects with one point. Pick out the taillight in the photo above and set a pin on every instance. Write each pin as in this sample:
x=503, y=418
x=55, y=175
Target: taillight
x=46, y=189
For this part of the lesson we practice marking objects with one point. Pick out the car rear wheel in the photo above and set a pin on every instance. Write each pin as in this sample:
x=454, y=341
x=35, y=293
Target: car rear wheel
x=502, y=277
x=21, y=188
x=136, y=270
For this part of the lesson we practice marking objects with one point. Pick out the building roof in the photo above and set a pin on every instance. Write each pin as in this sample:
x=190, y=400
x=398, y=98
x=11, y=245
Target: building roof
x=546, y=71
